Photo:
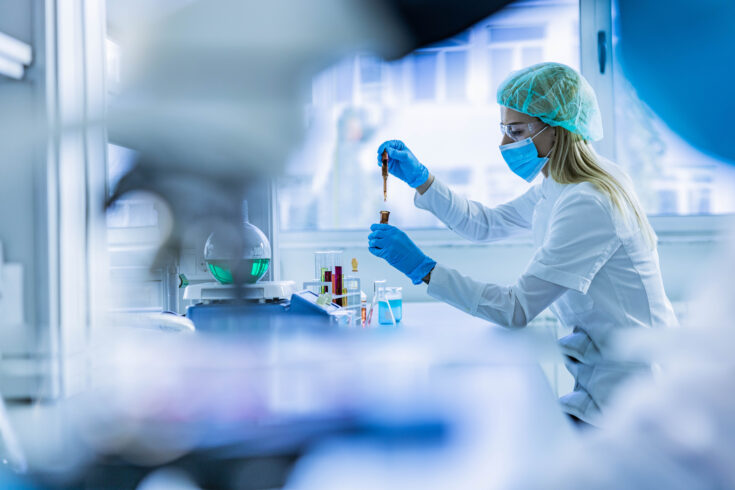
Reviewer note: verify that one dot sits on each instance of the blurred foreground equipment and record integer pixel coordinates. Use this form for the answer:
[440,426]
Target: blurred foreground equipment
[213,92]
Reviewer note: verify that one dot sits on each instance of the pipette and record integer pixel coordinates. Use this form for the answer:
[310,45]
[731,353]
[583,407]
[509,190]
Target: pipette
[384,159]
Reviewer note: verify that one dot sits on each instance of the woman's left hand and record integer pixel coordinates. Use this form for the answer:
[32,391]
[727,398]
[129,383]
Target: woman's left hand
[393,245]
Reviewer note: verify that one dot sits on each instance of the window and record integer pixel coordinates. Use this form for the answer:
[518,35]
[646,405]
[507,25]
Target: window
[505,34]
[425,76]
[440,100]
[456,74]
[133,227]
[112,55]
[130,211]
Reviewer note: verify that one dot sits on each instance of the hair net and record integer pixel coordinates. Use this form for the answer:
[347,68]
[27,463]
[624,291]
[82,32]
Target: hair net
[556,94]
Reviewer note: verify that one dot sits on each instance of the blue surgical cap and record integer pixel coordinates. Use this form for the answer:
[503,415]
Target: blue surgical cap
[556,94]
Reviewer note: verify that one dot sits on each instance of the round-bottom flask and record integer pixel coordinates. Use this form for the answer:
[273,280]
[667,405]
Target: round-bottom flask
[238,256]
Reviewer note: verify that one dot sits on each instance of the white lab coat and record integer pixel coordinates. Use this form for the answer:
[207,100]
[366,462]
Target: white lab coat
[592,267]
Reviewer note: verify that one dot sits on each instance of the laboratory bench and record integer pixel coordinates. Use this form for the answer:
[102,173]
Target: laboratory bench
[443,395]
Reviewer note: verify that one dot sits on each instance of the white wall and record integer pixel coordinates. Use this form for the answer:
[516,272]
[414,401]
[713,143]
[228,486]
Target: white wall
[17,168]
[499,263]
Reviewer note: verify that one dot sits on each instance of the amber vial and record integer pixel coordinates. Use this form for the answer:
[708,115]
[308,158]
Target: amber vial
[384,217]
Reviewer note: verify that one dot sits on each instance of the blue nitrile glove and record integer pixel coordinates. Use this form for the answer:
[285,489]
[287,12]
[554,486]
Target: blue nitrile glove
[403,164]
[393,245]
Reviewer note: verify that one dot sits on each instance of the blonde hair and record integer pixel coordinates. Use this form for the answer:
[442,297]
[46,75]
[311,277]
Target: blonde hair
[573,160]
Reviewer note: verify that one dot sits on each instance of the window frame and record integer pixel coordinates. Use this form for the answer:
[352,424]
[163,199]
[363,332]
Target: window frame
[669,229]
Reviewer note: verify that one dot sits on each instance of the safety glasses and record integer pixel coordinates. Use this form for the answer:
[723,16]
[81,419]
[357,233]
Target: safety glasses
[520,131]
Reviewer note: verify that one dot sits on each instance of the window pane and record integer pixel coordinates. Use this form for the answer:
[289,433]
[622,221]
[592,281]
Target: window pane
[126,212]
[424,76]
[370,68]
[456,68]
[506,34]
[112,55]
[134,226]
[501,64]
[344,81]
[440,101]
[119,161]
[532,55]
[371,79]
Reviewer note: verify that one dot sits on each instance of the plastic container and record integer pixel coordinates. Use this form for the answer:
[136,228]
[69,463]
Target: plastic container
[390,305]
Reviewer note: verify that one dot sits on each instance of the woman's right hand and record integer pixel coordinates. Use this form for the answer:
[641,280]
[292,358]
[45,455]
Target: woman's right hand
[403,164]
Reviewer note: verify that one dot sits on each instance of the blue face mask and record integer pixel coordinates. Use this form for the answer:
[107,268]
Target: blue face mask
[522,158]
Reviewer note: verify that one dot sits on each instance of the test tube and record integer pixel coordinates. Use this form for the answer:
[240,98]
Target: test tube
[327,261]
[337,285]
[384,217]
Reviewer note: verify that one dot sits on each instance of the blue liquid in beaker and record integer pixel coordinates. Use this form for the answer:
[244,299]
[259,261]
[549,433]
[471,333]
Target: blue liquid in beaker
[384,315]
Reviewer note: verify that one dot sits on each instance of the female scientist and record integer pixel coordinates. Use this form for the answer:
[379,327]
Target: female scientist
[595,264]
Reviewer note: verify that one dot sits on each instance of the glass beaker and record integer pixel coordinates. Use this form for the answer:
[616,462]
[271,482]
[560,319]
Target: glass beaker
[378,284]
[390,305]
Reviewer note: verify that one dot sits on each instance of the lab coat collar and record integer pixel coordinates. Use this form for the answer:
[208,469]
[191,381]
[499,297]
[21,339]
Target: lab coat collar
[550,189]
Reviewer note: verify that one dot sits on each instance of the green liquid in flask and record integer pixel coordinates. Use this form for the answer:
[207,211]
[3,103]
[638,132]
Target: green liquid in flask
[255,269]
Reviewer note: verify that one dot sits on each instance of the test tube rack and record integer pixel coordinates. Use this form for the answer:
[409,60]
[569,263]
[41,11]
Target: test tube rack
[327,286]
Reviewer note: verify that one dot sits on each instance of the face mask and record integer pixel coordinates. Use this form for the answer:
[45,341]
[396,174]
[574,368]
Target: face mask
[522,158]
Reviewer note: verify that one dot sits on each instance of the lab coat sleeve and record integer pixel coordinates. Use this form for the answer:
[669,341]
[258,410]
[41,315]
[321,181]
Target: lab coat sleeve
[509,306]
[475,221]
[581,238]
